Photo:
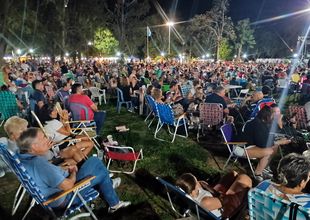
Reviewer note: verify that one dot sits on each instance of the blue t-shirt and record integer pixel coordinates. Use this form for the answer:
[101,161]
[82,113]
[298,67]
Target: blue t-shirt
[46,175]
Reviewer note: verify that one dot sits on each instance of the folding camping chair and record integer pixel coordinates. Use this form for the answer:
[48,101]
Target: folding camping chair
[152,107]
[181,196]
[166,116]
[86,127]
[98,93]
[210,114]
[261,104]
[301,116]
[55,147]
[266,206]
[242,95]
[121,101]
[124,154]
[31,187]
[227,131]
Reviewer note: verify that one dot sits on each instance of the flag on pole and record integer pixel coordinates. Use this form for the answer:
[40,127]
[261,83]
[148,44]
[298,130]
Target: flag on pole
[148,31]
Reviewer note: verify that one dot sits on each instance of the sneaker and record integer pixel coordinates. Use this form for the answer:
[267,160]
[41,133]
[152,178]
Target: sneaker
[259,178]
[121,204]
[2,172]
[116,182]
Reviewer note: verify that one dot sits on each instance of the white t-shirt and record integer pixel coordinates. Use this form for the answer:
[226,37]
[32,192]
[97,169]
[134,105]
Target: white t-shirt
[51,128]
[204,193]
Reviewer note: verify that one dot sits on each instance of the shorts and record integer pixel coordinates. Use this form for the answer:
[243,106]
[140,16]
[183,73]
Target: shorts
[239,151]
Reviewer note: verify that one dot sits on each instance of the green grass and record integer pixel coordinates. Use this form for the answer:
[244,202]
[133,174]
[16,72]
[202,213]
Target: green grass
[160,159]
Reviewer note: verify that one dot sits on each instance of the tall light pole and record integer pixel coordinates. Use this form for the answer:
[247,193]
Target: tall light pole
[169,24]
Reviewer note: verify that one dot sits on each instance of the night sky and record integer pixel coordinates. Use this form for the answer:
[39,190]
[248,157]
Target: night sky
[253,9]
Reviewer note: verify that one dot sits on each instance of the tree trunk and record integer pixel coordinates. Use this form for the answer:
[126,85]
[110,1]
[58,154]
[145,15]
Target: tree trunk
[239,52]
[218,44]
[4,10]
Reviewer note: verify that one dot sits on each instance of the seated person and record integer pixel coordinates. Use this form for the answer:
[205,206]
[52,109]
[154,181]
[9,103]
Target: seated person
[13,127]
[33,144]
[260,144]
[127,90]
[228,194]
[250,104]
[10,106]
[59,131]
[175,96]
[218,97]
[293,175]
[93,112]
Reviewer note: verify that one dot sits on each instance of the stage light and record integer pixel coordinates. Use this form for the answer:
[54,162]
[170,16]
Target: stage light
[19,51]
[162,54]
[31,50]
[66,54]
[295,55]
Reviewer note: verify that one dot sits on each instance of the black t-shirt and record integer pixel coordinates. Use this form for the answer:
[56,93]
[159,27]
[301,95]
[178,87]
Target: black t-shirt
[215,98]
[256,132]
[126,92]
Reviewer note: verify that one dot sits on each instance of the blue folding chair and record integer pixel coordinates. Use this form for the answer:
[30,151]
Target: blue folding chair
[181,196]
[121,101]
[266,206]
[31,187]
[152,107]
[166,116]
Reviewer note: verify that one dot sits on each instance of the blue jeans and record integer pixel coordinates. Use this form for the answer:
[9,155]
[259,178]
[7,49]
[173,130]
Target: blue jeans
[102,183]
[99,118]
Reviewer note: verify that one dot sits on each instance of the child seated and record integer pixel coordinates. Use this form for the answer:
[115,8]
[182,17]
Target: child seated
[224,199]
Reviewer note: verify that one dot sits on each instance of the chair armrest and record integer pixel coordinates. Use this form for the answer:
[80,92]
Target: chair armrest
[82,121]
[181,116]
[237,143]
[69,140]
[76,186]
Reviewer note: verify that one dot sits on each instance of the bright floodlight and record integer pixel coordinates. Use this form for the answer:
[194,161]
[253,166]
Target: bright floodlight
[118,53]
[170,23]
[235,56]
[295,55]
[89,43]
[203,56]
[162,54]
[31,50]
[245,55]
[66,54]
[207,55]
[19,51]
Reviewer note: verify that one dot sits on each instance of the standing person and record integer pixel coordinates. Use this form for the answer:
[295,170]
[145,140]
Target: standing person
[77,96]
[33,144]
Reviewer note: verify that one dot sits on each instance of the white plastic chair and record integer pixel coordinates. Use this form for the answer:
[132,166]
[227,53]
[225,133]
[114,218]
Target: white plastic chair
[98,93]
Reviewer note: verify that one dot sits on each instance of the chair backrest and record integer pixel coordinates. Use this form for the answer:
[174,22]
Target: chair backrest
[77,110]
[20,171]
[185,89]
[243,92]
[266,206]
[94,91]
[181,196]
[120,97]
[261,104]
[39,123]
[151,102]
[211,113]
[301,116]
[165,113]
[227,132]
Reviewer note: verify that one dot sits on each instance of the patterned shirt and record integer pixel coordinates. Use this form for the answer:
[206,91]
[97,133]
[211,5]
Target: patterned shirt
[8,105]
[302,199]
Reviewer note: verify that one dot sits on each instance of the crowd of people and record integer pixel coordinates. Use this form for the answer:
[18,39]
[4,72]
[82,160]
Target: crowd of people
[35,86]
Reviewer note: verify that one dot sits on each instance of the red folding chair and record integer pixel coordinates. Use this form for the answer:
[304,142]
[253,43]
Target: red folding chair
[122,153]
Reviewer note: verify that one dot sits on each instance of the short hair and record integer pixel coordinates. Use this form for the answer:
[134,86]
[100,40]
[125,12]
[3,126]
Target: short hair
[219,89]
[293,169]
[75,87]
[13,124]
[265,114]
[266,90]
[156,93]
[26,139]
[186,182]
[173,83]
[35,83]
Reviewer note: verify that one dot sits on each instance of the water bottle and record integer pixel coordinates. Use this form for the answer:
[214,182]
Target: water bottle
[100,155]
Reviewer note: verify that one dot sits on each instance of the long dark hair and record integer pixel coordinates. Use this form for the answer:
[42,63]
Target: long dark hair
[265,114]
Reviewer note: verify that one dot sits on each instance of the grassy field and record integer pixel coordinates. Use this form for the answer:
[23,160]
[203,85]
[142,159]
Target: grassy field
[160,159]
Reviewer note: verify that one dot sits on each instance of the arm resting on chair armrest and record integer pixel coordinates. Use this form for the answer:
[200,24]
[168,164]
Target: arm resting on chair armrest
[237,143]
[74,188]
[81,121]
[181,116]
